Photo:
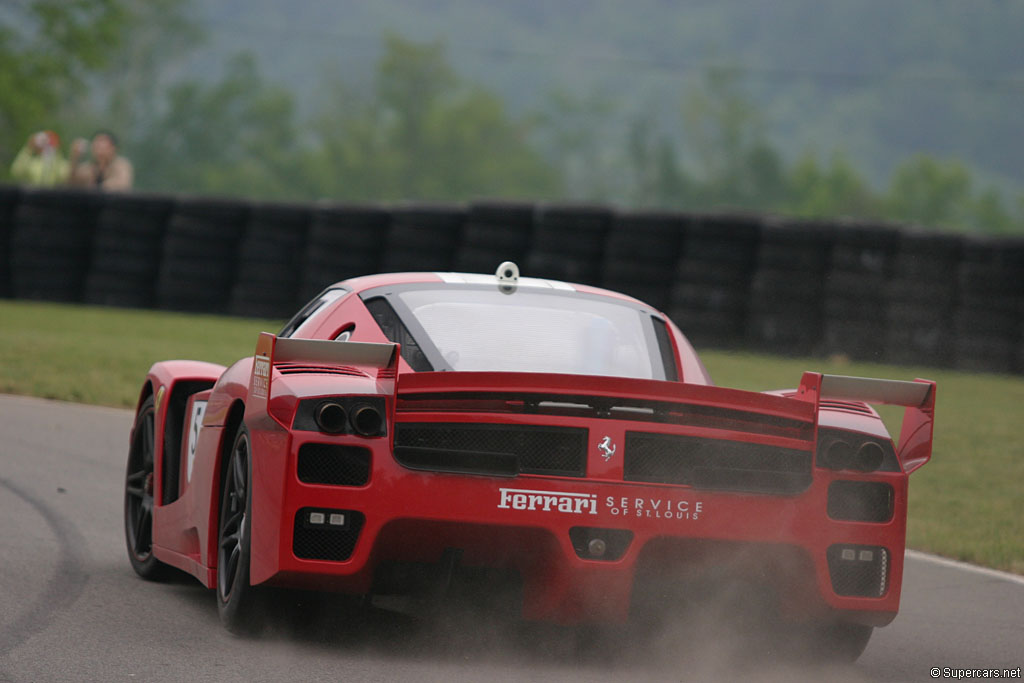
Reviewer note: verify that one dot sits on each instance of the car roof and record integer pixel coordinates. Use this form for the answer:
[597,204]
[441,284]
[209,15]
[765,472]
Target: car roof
[692,368]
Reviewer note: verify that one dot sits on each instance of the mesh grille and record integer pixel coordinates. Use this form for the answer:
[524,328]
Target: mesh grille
[326,542]
[321,463]
[536,450]
[860,501]
[715,464]
[858,570]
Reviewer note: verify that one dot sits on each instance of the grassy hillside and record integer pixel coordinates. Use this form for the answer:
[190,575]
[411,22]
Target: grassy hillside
[878,79]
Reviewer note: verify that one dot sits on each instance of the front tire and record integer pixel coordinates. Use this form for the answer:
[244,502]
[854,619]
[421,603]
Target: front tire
[239,604]
[138,496]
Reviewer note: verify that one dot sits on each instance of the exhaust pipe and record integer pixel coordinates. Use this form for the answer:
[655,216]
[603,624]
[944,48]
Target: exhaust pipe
[330,417]
[367,420]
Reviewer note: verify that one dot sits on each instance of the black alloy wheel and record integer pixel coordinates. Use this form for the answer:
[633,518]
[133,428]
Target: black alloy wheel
[239,604]
[138,496]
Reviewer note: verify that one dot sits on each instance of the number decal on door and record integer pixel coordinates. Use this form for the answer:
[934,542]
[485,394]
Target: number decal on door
[194,425]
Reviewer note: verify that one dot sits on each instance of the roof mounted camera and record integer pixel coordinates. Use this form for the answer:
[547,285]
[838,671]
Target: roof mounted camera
[508,277]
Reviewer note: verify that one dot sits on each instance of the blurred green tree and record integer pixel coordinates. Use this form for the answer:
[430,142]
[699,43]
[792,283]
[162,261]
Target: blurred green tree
[576,134]
[738,168]
[835,190]
[658,177]
[48,48]
[234,137]
[421,133]
[930,192]
[988,213]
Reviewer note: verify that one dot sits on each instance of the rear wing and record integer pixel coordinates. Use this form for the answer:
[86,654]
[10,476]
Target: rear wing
[364,354]
[712,412]
[271,351]
[918,397]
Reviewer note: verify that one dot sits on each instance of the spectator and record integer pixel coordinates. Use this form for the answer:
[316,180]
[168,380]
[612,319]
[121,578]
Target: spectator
[40,162]
[107,170]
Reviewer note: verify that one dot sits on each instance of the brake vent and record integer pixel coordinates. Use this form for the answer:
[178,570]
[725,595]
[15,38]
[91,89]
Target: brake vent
[847,406]
[298,368]
[858,407]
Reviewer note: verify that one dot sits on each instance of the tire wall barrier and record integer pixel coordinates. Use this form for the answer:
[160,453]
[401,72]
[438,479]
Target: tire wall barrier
[885,293]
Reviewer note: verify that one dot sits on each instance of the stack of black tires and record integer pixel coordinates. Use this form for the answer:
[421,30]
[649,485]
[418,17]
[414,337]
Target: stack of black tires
[270,261]
[423,238]
[345,240]
[126,251]
[200,254]
[494,232]
[990,305]
[786,298]
[920,297]
[51,244]
[788,286]
[568,243]
[855,290]
[9,198]
[640,255]
[711,294]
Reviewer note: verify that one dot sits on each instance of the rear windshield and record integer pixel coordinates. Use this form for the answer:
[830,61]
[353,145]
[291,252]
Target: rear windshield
[530,330]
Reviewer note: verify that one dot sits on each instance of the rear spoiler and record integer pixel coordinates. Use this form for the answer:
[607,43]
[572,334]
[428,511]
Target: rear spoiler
[271,351]
[715,412]
[918,397]
[364,354]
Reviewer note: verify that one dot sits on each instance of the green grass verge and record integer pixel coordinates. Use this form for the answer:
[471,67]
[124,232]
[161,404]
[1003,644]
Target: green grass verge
[966,503]
[101,355]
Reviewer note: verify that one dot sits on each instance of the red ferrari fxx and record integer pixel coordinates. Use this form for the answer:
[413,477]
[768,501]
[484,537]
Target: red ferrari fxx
[415,425]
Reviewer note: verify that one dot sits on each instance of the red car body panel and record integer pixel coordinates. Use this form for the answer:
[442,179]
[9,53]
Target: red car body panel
[524,521]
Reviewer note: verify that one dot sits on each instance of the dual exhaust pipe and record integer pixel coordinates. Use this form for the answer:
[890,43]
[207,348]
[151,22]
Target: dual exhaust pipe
[840,455]
[364,420]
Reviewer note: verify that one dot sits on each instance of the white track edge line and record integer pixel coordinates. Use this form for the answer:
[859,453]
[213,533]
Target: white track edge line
[964,566]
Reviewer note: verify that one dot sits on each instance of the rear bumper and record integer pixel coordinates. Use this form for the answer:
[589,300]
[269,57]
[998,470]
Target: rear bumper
[524,524]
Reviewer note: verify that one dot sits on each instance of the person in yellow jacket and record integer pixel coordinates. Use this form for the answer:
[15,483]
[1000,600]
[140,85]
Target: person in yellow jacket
[40,162]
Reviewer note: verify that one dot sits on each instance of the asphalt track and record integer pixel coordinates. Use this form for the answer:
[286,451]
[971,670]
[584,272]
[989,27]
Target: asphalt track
[71,609]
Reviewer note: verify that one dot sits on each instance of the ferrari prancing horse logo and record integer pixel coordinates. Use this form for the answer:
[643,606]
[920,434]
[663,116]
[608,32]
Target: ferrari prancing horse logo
[607,448]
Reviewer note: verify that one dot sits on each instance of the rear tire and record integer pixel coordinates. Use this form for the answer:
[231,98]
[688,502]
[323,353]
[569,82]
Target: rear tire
[138,496]
[241,606]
